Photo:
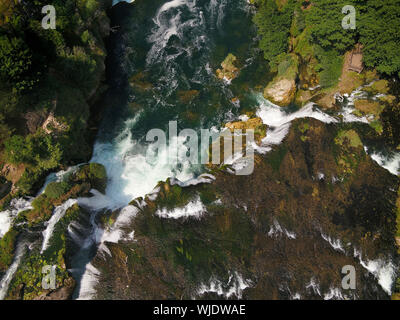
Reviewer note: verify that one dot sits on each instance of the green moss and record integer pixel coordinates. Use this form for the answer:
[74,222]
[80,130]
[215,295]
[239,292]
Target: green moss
[7,246]
[377,125]
[288,66]
[207,195]
[303,45]
[56,189]
[304,127]
[92,173]
[380,86]
[29,274]
[42,210]
[57,244]
[348,136]
[275,158]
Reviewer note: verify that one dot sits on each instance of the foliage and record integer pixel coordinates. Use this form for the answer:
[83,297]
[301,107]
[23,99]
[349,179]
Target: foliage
[325,21]
[379,33]
[16,63]
[38,150]
[377,26]
[273,27]
[93,173]
[7,246]
[48,70]
[329,67]
[55,189]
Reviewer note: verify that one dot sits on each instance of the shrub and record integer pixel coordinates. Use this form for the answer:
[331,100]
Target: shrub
[7,246]
[55,190]
[273,27]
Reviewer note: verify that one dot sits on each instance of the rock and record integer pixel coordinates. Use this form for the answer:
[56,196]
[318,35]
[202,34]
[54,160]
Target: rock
[63,293]
[5,187]
[265,227]
[369,107]
[281,92]
[229,71]
[256,124]
[380,86]
[92,173]
[51,124]
[34,120]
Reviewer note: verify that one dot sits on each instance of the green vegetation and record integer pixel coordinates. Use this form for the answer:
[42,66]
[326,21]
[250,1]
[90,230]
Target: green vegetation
[93,173]
[47,78]
[56,189]
[77,184]
[273,25]
[377,30]
[7,247]
[30,274]
[349,151]
[350,136]
[314,29]
[276,157]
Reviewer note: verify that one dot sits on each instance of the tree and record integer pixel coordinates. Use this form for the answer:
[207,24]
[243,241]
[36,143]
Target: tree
[15,61]
[325,21]
[379,26]
[273,27]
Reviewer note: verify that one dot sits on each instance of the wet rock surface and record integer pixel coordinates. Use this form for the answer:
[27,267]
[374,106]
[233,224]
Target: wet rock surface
[288,230]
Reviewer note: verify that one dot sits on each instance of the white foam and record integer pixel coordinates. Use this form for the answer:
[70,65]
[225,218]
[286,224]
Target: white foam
[333,294]
[58,213]
[133,171]
[335,243]
[88,283]
[275,116]
[277,230]
[235,286]
[314,285]
[115,233]
[279,121]
[296,296]
[392,164]
[384,271]
[194,209]
[118,1]
[7,217]
[6,280]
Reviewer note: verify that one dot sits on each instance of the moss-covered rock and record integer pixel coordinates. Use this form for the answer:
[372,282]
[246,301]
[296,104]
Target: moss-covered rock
[7,247]
[255,124]
[266,228]
[27,282]
[379,86]
[229,69]
[77,184]
[282,89]
[92,173]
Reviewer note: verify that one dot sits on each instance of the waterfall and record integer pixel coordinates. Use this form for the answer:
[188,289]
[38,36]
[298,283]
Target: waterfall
[7,217]
[6,280]
[58,213]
